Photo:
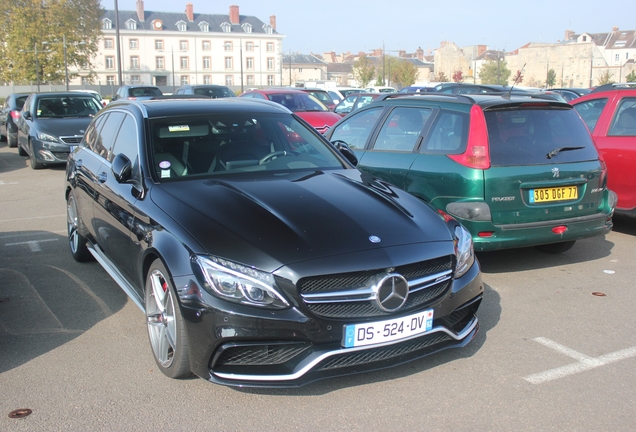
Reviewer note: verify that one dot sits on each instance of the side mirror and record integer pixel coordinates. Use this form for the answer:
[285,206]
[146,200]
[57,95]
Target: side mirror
[121,168]
[346,151]
[27,115]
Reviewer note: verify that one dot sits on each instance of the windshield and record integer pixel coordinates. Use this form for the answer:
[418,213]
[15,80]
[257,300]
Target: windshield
[67,106]
[214,92]
[322,97]
[297,102]
[219,144]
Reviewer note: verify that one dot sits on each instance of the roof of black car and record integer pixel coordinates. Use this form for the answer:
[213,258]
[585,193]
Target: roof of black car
[193,106]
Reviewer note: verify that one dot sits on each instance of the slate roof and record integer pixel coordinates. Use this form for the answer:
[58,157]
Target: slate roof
[303,59]
[170,20]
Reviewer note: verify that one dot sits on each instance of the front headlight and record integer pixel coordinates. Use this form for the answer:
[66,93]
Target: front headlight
[463,251]
[240,284]
[46,137]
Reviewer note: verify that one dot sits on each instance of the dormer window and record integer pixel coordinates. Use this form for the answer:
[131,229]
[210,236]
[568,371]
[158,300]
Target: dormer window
[247,28]
[131,24]
[226,27]
[268,29]
[182,26]
[107,24]
[204,26]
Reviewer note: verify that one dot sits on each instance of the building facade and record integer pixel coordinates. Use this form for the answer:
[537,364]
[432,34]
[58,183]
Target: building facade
[172,49]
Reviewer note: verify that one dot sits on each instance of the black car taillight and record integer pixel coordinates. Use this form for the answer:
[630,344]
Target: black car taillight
[477,154]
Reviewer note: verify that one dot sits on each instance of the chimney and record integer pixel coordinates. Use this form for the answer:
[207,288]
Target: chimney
[190,12]
[140,10]
[234,15]
[569,35]
[272,21]
[615,29]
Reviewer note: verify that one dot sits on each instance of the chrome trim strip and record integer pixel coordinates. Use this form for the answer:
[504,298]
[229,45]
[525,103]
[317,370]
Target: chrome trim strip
[96,251]
[467,330]
[371,293]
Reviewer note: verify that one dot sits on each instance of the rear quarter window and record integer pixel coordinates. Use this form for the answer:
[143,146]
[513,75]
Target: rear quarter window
[590,111]
[526,136]
[624,121]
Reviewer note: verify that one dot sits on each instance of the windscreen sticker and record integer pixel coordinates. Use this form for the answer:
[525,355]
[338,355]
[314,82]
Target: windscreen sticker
[182,128]
[164,165]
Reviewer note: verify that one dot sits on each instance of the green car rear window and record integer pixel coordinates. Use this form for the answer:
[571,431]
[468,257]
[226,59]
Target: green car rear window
[538,135]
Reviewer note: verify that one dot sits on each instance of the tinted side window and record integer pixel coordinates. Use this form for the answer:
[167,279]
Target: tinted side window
[624,121]
[92,133]
[402,129]
[590,111]
[126,141]
[356,130]
[448,134]
[528,136]
[104,144]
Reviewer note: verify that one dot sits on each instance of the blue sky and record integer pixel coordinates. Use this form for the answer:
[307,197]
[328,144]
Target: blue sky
[355,25]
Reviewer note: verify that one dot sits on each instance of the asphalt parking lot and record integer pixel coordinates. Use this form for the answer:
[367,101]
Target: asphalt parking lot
[556,348]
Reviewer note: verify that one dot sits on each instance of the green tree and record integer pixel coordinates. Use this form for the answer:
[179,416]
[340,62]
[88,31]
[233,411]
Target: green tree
[605,78]
[363,71]
[631,77]
[494,72]
[403,72]
[42,25]
[550,79]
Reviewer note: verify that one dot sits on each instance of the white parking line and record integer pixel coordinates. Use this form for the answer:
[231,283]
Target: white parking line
[34,245]
[584,362]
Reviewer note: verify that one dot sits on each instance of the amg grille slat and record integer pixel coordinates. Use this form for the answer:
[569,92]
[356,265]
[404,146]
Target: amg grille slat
[259,354]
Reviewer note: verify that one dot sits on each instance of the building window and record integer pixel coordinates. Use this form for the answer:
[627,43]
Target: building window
[107,24]
[206,45]
[182,26]
[268,29]
[207,79]
[207,62]
[300,69]
[249,46]
[131,24]
[134,79]
[228,63]
[226,27]
[270,46]
[159,44]
[134,62]
[249,63]
[110,62]
[110,80]
[204,26]
[228,46]
[85,80]
[270,63]
[270,80]
[185,79]
[184,63]
[160,63]
[617,57]
[250,80]
[108,43]
[247,28]
[183,45]
[228,80]
[133,44]
[584,38]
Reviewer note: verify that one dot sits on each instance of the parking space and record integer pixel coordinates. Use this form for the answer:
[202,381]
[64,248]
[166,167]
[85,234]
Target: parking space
[555,351]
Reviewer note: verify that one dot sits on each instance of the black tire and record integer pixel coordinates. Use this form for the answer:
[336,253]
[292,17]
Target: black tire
[11,142]
[76,241]
[34,163]
[166,329]
[556,248]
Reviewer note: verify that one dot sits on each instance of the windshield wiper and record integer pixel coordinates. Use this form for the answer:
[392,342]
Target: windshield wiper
[556,151]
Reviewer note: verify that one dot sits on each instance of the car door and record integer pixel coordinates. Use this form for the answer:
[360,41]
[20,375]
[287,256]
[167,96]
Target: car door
[356,129]
[394,148]
[115,207]
[24,124]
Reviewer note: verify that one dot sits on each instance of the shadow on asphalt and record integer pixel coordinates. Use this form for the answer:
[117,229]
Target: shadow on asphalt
[46,297]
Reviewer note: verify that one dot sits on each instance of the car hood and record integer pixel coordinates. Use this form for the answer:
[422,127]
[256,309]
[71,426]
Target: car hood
[279,219]
[63,126]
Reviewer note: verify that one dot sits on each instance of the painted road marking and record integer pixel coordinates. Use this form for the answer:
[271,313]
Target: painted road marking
[34,245]
[584,362]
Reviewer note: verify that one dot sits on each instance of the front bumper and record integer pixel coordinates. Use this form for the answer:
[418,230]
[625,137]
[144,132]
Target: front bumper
[50,152]
[244,347]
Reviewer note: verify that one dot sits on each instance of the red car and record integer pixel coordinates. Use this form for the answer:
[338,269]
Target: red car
[610,115]
[322,95]
[300,103]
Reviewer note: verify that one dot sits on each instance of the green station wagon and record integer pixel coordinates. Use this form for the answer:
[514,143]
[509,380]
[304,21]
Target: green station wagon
[516,171]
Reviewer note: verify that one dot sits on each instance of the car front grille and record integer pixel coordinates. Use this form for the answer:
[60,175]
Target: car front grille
[75,139]
[344,296]
[262,354]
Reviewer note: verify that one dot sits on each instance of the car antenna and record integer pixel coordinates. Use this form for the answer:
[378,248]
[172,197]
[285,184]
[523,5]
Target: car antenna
[515,83]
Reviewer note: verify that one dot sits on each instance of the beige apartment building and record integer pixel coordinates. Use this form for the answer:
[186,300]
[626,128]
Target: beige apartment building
[169,49]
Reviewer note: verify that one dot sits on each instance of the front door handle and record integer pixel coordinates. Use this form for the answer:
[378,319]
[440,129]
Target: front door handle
[102,177]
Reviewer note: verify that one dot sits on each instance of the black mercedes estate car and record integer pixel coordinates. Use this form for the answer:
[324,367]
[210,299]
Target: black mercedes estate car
[259,254]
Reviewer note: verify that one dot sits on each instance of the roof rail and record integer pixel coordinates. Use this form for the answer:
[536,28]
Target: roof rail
[427,95]
[615,86]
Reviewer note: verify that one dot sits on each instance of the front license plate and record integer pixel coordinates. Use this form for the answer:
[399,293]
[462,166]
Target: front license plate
[389,330]
[564,193]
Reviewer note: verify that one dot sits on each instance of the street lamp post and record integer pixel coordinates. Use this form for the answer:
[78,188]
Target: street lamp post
[241,60]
